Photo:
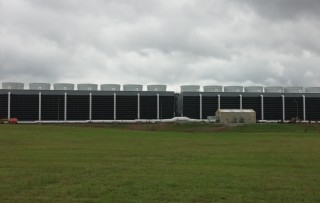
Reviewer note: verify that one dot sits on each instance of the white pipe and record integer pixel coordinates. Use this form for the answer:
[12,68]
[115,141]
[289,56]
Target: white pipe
[114,106]
[218,101]
[90,106]
[283,108]
[138,106]
[39,106]
[200,106]
[158,107]
[9,105]
[304,107]
[240,101]
[65,106]
[262,108]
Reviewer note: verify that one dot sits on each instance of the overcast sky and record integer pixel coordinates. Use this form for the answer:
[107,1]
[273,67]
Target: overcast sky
[204,42]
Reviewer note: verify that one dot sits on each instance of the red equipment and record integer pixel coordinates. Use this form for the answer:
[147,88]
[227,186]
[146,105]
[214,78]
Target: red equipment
[12,120]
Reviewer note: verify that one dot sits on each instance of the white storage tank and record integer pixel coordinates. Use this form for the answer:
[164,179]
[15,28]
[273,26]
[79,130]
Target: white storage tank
[233,88]
[274,89]
[87,87]
[63,86]
[312,89]
[132,87]
[190,88]
[13,85]
[110,87]
[157,88]
[253,89]
[212,88]
[293,89]
[39,86]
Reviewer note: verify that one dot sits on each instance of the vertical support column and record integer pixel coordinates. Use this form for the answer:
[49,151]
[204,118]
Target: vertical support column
[114,106]
[283,108]
[262,108]
[304,107]
[65,106]
[9,105]
[158,106]
[200,106]
[218,101]
[39,106]
[138,107]
[240,101]
[90,106]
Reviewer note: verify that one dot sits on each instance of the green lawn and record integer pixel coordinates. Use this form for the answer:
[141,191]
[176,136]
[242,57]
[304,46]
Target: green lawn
[170,163]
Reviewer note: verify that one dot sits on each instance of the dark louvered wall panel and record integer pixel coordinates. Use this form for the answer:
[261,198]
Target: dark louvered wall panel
[191,107]
[77,107]
[209,106]
[252,103]
[25,107]
[272,108]
[102,107]
[127,107]
[293,107]
[52,107]
[313,109]
[166,107]
[148,107]
[3,106]
[230,102]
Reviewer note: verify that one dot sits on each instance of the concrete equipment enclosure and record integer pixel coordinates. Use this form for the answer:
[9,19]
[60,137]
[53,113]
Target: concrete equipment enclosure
[227,116]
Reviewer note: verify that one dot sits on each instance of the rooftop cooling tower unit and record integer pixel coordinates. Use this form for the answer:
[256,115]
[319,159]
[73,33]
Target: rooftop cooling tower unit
[253,89]
[190,88]
[12,85]
[312,89]
[133,87]
[157,88]
[293,89]
[233,89]
[87,87]
[63,86]
[213,88]
[110,87]
[39,86]
[274,89]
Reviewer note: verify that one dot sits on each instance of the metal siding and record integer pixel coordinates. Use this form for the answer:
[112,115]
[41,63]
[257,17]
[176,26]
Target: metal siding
[252,103]
[102,107]
[166,107]
[230,102]
[127,107]
[313,109]
[3,106]
[25,107]
[273,108]
[52,107]
[291,107]
[209,106]
[191,107]
[77,107]
[148,107]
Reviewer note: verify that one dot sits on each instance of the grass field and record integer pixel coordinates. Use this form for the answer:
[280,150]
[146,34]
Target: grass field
[160,163]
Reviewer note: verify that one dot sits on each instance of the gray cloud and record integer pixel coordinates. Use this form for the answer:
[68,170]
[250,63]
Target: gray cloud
[284,9]
[180,42]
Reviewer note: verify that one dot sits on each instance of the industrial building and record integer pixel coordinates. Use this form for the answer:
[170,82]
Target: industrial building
[88,103]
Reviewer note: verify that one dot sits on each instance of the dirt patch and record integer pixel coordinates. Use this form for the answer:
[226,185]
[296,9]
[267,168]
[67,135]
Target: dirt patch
[176,127]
